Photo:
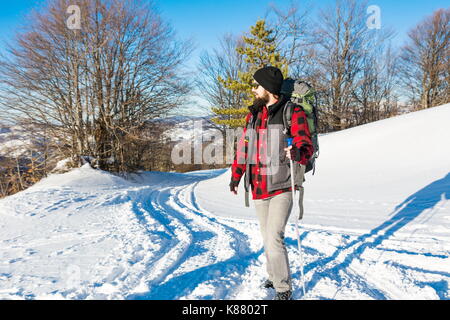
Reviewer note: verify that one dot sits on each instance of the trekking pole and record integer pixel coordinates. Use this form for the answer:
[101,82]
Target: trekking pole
[294,198]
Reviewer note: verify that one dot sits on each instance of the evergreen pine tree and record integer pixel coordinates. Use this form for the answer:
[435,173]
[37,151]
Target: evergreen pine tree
[259,50]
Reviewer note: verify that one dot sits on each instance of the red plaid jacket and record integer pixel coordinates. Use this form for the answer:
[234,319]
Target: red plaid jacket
[302,142]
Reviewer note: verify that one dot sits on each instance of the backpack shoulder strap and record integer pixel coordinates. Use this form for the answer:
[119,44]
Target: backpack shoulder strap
[288,110]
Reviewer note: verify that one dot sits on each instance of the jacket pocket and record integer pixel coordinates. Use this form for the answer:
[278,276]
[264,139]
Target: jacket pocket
[280,175]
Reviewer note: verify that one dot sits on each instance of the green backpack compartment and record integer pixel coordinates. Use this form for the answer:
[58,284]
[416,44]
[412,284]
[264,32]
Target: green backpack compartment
[302,94]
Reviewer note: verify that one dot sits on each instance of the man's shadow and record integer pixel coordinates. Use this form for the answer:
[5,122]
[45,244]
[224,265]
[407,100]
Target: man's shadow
[413,206]
[404,213]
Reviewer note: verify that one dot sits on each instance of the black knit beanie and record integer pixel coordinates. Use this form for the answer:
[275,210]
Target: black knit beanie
[270,78]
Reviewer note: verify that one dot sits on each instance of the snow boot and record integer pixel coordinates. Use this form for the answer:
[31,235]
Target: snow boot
[286,295]
[268,284]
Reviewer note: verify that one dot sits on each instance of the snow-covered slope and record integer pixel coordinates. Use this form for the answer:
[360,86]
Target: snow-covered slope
[88,234]
[191,129]
[376,226]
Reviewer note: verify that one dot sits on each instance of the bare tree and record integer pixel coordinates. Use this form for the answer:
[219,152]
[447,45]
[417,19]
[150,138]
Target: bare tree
[26,156]
[425,61]
[94,87]
[223,62]
[345,48]
[375,93]
[293,37]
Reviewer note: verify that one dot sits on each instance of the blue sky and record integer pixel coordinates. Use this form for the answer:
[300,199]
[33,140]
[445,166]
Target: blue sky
[206,21]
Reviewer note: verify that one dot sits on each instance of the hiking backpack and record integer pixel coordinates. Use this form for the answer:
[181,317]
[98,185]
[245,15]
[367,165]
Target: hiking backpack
[302,94]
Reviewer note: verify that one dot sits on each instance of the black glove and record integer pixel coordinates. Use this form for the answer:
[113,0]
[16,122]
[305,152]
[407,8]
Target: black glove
[295,153]
[234,186]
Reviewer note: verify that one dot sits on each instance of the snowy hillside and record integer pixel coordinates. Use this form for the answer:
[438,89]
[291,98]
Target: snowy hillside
[14,140]
[189,129]
[377,222]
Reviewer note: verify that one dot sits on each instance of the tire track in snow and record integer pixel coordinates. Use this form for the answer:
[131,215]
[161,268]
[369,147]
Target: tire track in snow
[203,257]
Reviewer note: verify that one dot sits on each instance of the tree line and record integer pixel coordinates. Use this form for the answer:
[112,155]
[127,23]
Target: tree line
[359,75]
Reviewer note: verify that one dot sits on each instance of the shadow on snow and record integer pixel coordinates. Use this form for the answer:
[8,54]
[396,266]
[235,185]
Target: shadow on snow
[426,198]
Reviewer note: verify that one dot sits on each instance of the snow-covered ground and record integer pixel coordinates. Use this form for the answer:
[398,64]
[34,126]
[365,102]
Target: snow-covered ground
[376,226]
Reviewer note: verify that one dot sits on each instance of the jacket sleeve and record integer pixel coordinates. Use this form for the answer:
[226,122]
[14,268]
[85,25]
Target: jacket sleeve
[302,136]
[239,163]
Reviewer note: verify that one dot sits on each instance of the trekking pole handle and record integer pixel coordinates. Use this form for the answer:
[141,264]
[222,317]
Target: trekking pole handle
[289,141]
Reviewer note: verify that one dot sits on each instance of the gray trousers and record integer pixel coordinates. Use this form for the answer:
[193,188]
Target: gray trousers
[273,214]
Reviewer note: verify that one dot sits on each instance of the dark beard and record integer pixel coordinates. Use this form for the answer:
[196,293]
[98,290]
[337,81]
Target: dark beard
[258,103]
